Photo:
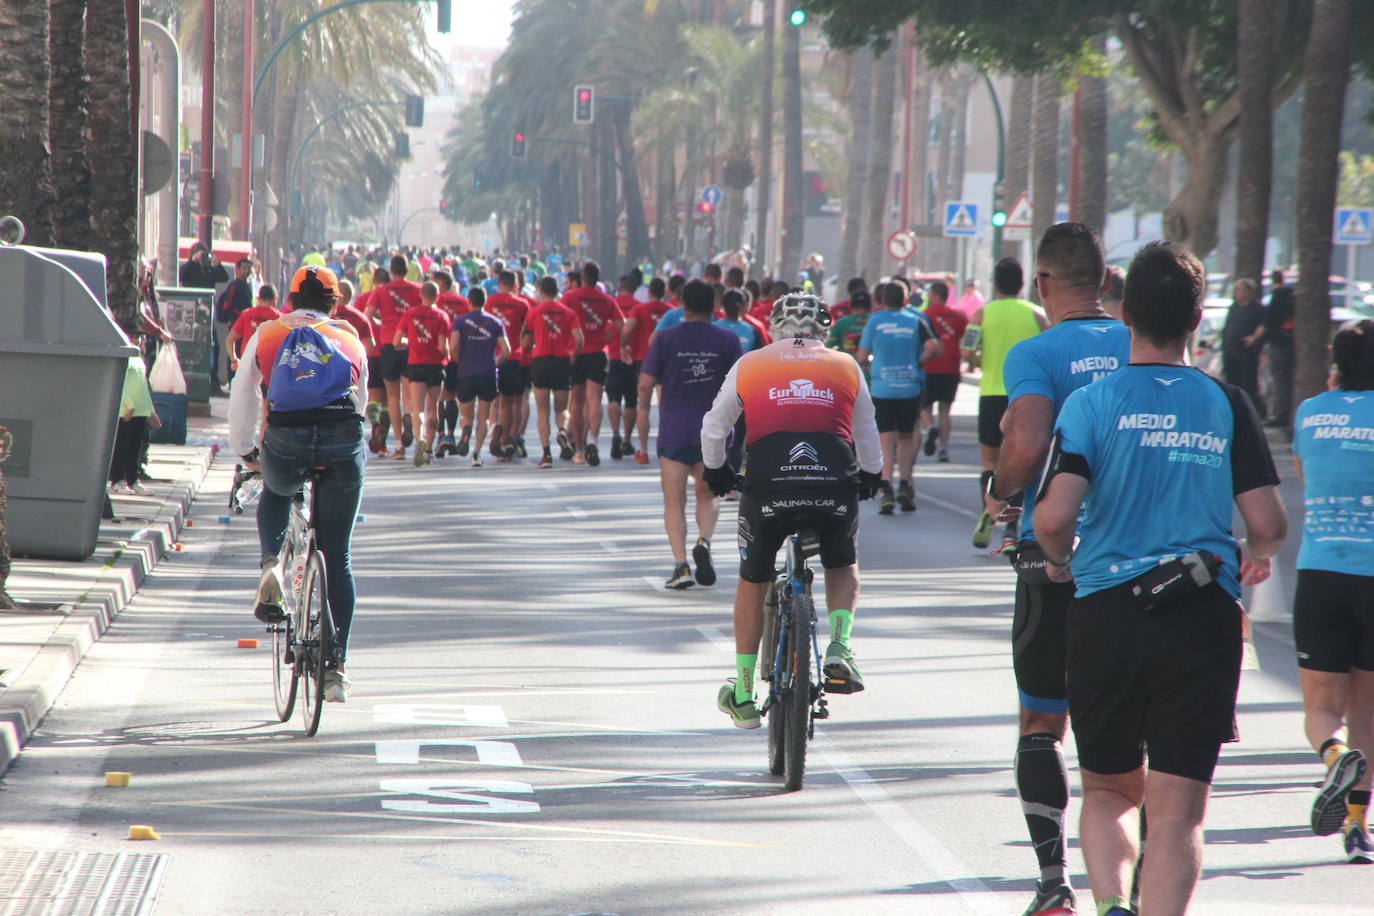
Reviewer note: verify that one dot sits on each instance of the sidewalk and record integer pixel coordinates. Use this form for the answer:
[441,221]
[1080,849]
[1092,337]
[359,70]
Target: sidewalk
[66,606]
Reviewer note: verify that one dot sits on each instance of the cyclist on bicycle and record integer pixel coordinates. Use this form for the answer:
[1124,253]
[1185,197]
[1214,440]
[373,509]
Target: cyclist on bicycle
[813,453]
[314,420]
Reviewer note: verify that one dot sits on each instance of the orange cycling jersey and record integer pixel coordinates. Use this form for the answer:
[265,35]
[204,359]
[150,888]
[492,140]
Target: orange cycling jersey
[794,388]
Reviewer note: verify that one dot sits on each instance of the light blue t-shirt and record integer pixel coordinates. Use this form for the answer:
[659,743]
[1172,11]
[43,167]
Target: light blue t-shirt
[1058,362]
[1167,449]
[491,285]
[748,337]
[671,319]
[895,339]
[1333,435]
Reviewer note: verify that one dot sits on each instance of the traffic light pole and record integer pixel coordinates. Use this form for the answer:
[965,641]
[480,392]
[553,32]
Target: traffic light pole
[1001,157]
[401,233]
[311,135]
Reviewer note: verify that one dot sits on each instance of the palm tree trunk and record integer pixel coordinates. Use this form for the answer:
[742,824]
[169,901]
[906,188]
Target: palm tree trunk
[611,203]
[1327,73]
[1019,122]
[943,153]
[26,179]
[1044,155]
[856,160]
[920,142]
[637,226]
[794,190]
[878,206]
[765,169]
[959,151]
[114,193]
[1255,57]
[666,196]
[689,191]
[1092,187]
[68,96]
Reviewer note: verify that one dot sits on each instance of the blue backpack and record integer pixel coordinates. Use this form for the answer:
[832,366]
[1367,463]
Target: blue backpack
[311,371]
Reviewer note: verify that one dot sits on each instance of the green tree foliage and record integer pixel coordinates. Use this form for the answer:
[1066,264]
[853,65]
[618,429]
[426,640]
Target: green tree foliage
[1356,187]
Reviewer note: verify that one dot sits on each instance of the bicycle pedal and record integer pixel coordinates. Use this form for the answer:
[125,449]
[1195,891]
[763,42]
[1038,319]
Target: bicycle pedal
[820,712]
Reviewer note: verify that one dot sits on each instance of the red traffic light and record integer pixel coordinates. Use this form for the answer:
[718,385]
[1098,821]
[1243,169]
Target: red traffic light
[584,95]
[519,138]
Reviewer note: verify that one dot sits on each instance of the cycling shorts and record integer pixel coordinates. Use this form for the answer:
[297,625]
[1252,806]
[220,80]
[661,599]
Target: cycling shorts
[990,410]
[1333,621]
[766,520]
[392,362]
[451,378]
[1037,644]
[589,367]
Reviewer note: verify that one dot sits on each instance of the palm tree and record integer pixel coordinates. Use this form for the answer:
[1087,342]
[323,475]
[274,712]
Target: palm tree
[68,96]
[860,96]
[794,196]
[1256,45]
[114,173]
[1019,120]
[1092,181]
[770,23]
[26,180]
[920,147]
[1044,155]
[877,206]
[1327,73]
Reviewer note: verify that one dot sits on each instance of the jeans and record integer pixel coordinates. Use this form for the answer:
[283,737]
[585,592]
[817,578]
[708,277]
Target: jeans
[288,455]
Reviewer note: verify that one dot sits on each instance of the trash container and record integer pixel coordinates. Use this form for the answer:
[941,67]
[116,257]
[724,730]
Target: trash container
[62,364]
[186,316]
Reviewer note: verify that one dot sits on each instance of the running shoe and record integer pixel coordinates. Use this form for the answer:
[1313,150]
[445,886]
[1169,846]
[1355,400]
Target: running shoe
[376,442]
[943,457]
[447,446]
[982,532]
[841,673]
[616,453]
[337,686]
[398,455]
[1053,900]
[519,443]
[565,449]
[495,447]
[701,556]
[374,412]
[421,454]
[906,496]
[545,462]
[745,715]
[1328,810]
[1357,848]
[932,435]
[267,604]
[593,454]
[463,442]
[476,460]
[407,432]
[641,457]
[1115,911]
[887,502]
[1009,542]
[681,577]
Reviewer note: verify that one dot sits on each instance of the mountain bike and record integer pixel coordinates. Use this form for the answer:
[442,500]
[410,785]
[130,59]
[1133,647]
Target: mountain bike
[796,695]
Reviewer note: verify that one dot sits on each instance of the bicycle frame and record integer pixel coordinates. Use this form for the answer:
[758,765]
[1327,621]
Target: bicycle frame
[796,579]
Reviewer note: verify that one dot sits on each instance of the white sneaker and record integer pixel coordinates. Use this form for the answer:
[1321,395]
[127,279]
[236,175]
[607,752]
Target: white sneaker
[337,686]
[119,489]
[139,489]
[270,599]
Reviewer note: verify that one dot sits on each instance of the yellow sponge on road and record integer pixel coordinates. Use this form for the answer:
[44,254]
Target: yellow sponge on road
[117,780]
[143,832]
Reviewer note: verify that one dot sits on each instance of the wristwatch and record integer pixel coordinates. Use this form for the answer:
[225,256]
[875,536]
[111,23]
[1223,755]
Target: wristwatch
[991,491]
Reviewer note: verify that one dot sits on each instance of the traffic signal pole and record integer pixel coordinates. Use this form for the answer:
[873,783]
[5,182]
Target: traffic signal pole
[1001,157]
[246,152]
[207,123]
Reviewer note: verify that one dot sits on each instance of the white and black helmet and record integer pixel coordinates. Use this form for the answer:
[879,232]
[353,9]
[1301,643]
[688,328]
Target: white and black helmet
[799,315]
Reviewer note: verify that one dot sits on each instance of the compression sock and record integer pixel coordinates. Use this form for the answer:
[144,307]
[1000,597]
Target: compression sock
[451,416]
[1356,807]
[1043,784]
[841,622]
[983,479]
[744,682]
[1105,905]
[1331,749]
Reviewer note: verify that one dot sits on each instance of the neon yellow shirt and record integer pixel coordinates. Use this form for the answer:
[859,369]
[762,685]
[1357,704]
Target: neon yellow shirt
[313,259]
[1006,322]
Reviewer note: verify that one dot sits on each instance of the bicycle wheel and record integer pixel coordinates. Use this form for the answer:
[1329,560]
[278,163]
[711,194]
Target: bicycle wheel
[796,707]
[768,652]
[316,641]
[285,672]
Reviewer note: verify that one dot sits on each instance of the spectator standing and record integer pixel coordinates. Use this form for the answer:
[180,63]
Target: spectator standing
[233,301]
[1239,342]
[202,270]
[136,414]
[1276,334]
[942,373]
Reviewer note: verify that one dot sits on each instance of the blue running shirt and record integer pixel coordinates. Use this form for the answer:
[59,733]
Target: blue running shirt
[1059,361]
[1334,438]
[895,338]
[1166,449]
[671,319]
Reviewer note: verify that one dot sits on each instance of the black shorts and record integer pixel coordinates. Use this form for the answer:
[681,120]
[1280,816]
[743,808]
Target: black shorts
[589,367]
[512,379]
[431,374]
[765,521]
[473,387]
[622,384]
[941,388]
[552,372]
[1162,681]
[1038,627]
[990,410]
[897,415]
[375,382]
[451,377]
[392,362]
[1333,621]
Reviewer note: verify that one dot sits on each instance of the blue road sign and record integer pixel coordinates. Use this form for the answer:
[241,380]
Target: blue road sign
[1354,225]
[961,220]
[711,194]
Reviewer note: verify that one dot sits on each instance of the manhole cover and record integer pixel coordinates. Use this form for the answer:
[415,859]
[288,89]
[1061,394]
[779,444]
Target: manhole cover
[78,883]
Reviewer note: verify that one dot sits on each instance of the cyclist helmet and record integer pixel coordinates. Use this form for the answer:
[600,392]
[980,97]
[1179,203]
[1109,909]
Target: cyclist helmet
[315,283]
[799,315]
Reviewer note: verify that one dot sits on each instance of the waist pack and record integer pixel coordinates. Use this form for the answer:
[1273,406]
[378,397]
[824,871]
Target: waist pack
[310,372]
[1176,579]
[1028,559]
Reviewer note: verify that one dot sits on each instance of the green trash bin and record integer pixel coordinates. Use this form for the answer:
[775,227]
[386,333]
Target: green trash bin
[186,316]
[62,364]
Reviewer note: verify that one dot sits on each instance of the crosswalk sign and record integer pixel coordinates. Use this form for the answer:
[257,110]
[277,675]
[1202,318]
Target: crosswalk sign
[961,220]
[1354,225]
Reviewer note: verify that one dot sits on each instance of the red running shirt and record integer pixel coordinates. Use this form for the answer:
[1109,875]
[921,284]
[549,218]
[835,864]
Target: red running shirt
[627,305]
[512,311]
[392,300]
[949,325]
[455,305]
[645,315]
[248,322]
[552,325]
[360,324]
[598,315]
[426,327]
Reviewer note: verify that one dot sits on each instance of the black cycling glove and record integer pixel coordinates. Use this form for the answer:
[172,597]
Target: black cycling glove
[721,480]
[869,484]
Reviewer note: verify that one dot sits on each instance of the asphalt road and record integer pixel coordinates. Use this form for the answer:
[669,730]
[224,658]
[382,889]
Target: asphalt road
[533,729]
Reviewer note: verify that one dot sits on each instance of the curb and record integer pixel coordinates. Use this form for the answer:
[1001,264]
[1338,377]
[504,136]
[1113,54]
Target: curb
[38,685]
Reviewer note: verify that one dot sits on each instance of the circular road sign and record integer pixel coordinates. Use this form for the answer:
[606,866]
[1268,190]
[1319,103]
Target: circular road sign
[901,244]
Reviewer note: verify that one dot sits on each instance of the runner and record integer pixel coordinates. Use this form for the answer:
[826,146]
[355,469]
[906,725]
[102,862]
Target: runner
[345,309]
[992,331]
[477,346]
[813,454]
[552,336]
[263,310]
[427,328]
[377,413]
[733,304]
[900,343]
[621,382]
[636,335]
[847,332]
[599,317]
[690,362]
[942,373]
[386,308]
[454,306]
[852,288]
[1333,610]
[513,375]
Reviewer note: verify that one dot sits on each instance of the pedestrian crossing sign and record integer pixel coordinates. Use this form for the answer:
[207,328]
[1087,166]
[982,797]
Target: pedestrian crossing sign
[1354,225]
[961,220]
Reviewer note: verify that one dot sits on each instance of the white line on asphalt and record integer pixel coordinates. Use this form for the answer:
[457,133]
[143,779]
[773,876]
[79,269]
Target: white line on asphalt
[717,636]
[612,547]
[946,504]
[549,486]
[578,513]
[655,584]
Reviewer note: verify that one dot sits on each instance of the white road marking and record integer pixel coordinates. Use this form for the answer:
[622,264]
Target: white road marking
[549,486]
[578,513]
[459,802]
[489,753]
[717,636]
[655,584]
[438,714]
[612,547]
[952,507]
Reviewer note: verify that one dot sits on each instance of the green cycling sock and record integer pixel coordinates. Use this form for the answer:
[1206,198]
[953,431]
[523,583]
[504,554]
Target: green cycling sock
[841,622]
[744,682]
[1104,905]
